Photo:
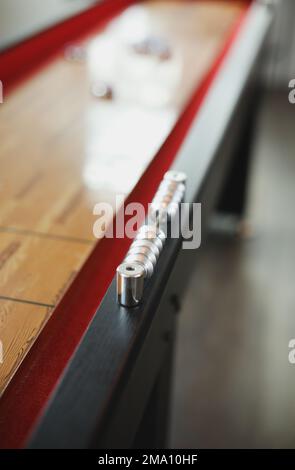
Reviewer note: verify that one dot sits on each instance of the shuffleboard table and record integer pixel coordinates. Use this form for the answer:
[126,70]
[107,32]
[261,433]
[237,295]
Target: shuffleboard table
[101,105]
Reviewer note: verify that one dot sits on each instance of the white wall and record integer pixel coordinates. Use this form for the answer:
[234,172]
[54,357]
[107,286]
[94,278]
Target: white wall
[22,18]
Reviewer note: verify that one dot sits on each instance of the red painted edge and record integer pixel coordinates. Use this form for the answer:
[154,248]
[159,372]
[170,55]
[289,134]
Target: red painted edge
[31,387]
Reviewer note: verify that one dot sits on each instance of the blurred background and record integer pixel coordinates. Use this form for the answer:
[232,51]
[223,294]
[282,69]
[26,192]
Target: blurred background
[20,19]
[233,384]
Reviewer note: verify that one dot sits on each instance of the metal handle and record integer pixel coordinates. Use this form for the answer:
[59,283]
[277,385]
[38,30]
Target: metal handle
[141,259]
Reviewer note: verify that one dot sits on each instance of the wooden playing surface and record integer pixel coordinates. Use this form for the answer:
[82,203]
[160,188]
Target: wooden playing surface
[62,150]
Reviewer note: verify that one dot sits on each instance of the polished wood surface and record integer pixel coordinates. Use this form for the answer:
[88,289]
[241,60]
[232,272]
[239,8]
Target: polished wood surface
[62,150]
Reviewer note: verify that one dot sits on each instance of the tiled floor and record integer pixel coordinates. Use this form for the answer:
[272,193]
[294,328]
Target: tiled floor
[234,386]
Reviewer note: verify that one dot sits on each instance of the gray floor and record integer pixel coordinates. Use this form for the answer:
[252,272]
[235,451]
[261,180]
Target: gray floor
[234,386]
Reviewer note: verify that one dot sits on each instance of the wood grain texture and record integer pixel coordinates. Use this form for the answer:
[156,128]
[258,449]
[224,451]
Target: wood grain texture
[20,325]
[62,150]
[38,269]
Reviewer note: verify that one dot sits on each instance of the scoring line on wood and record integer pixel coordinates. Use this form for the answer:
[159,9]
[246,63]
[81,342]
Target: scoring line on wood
[51,236]
[25,301]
